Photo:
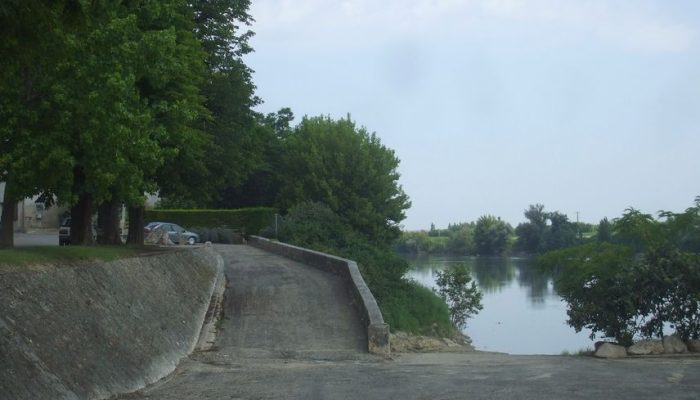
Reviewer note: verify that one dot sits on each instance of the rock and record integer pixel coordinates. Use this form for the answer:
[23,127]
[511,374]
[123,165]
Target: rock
[450,342]
[674,344]
[694,346]
[158,237]
[646,347]
[402,342]
[610,350]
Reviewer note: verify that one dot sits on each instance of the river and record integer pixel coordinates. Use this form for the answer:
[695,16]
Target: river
[522,314]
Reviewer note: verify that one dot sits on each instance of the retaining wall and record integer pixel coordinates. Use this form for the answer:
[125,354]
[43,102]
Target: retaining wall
[377,330]
[92,331]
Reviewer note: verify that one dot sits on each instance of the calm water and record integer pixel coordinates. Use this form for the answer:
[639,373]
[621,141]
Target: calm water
[522,314]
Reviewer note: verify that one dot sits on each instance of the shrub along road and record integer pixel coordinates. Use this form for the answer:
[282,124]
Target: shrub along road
[289,332]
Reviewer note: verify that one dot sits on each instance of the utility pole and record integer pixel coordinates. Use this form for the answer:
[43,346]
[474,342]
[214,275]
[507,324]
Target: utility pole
[578,228]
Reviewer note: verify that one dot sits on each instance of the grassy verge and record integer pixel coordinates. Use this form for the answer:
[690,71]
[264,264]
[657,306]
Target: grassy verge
[65,254]
[411,307]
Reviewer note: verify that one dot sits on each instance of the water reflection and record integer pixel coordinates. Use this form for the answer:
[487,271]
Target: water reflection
[492,274]
[517,298]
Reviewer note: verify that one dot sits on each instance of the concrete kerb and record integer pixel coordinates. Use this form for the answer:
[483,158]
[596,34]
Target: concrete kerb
[377,329]
[207,335]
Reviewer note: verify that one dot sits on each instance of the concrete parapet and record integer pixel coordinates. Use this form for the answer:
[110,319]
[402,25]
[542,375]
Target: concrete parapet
[377,330]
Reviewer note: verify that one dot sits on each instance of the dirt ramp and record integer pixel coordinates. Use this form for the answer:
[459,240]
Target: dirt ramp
[92,331]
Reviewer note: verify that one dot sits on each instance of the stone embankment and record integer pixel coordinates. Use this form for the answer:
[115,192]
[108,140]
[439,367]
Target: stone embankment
[93,330]
[669,345]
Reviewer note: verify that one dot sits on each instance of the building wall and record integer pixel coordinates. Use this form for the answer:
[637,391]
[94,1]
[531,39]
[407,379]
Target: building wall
[31,216]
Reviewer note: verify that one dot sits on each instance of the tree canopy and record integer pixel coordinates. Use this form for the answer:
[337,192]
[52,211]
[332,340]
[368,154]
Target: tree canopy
[347,168]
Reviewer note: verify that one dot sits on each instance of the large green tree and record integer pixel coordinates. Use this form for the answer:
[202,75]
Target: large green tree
[346,167]
[31,44]
[491,236]
[111,92]
[238,142]
[131,87]
[544,231]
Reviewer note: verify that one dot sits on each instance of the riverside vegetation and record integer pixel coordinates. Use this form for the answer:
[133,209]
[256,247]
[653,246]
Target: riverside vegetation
[542,231]
[639,278]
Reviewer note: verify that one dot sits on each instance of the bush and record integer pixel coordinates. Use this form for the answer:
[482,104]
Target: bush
[619,294]
[247,220]
[464,300]
[411,307]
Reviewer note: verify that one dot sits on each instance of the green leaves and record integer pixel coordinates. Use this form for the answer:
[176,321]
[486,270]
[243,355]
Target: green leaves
[348,169]
[491,235]
[460,293]
[649,279]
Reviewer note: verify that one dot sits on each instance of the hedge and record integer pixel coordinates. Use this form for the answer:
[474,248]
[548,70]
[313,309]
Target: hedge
[247,220]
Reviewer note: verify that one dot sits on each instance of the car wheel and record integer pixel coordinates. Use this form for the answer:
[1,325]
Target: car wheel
[190,240]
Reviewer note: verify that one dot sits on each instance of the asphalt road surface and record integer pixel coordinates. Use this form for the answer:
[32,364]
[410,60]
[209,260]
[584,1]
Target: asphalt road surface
[289,332]
[37,238]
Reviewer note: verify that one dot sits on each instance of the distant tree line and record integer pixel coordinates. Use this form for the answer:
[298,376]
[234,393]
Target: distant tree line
[490,236]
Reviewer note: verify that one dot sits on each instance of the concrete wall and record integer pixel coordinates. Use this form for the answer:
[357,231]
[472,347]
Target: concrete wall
[92,331]
[377,330]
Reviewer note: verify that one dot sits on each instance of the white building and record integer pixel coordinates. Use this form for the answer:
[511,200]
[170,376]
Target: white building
[32,214]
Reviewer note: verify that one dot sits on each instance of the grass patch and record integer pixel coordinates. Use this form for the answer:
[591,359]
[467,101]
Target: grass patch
[414,308]
[65,254]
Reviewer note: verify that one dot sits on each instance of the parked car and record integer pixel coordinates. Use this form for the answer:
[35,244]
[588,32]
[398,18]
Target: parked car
[175,231]
[64,232]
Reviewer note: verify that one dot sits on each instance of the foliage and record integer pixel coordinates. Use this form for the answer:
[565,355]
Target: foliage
[491,236]
[545,231]
[127,98]
[647,278]
[594,280]
[261,186]
[421,242]
[250,220]
[413,308]
[315,225]
[463,299]
[604,233]
[347,168]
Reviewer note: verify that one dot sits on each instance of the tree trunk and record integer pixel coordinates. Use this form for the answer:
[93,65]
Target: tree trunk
[9,213]
[108,222]
[81,221]
[137,215]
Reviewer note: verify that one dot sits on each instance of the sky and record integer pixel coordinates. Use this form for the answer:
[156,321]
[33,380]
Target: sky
[588,106]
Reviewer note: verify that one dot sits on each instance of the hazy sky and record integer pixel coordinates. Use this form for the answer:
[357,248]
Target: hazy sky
[491,105]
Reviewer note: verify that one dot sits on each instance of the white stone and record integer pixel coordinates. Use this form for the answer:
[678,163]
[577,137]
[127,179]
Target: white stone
[674,344]
[610,350]
[646,347]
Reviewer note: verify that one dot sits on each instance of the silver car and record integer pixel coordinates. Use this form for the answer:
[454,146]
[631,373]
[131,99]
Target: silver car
[175,232]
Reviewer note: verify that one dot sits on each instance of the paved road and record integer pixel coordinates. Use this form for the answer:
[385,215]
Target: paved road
[37,238]
[290,333]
